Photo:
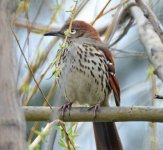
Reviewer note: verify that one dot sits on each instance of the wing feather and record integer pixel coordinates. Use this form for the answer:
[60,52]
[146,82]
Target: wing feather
[113,82]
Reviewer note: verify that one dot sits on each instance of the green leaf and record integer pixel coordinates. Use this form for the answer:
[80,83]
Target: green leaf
[63,46]
[37,132]
[57,128]
[42,135]
[56,71]
[45,133]
[66,32]
[62,143]
[71,131]
[150,71]
[62,134]
[75,135]
[25,88]
[37,147]
[53,63]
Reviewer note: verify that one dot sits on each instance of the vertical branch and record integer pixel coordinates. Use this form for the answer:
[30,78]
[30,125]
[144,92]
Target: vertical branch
[112,28]
[150,40]
[152,125]
[154,49]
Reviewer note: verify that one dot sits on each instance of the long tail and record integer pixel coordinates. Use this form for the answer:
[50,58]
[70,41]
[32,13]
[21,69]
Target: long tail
[106,136]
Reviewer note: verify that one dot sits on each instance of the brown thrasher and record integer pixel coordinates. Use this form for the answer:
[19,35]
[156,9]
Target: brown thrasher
[88,76]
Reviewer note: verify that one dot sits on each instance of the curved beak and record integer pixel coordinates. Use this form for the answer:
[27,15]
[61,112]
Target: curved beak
[55,33]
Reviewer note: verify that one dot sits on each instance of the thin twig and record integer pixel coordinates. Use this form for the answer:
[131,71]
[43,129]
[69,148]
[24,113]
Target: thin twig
[36,124]
[112,28]
[41,29]
[33,27]
[100,13]
[123,33]
[114,7]
[42,57]
[68,139]
[159,96]
[38,139]
[27,38]
[33,91]
[118,53]
[30,68]
[60,51]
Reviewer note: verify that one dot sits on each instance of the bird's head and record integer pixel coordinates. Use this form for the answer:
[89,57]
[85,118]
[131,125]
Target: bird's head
[78,29]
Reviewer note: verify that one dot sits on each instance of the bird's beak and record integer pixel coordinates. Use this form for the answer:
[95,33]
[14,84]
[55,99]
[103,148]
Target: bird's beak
[56,33]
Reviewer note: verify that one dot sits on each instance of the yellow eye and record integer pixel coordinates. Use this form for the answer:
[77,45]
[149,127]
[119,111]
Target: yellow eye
[72,31]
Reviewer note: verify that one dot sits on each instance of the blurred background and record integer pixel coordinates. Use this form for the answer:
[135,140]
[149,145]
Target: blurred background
[135,73]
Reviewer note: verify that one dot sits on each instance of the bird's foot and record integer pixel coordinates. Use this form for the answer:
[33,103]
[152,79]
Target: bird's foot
[64,107]
[96,108]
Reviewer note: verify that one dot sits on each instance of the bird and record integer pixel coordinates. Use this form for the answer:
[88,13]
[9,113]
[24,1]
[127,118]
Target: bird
[87,75]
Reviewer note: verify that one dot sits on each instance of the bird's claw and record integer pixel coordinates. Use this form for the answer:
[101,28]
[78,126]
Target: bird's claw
[96,108]
[64,107]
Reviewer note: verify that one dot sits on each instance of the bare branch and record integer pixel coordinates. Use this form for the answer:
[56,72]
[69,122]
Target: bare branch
[152,18]
[115,7]
[121,21]
[118,53]
[36,124]
[112,28]
[33,27]
[34,89]
[106,114]
[100,13]
[150,40]
[30,68]
[38,139]
[159,96]
[123,31]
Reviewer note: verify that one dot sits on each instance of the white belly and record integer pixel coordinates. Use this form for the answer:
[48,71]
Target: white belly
[80,82]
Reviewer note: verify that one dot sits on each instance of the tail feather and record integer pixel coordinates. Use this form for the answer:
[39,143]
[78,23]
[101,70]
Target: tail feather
[106,136]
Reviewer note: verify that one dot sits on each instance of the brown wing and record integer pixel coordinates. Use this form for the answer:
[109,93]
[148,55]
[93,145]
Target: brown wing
[113,82]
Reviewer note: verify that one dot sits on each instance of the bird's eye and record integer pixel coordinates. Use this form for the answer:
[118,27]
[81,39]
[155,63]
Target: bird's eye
[72,31]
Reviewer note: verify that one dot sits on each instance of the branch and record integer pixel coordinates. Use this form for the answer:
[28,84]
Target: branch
[150,40]
[106,114]
[113,27]
[43,132]
[152,18]
[33,27]
[100,13]
[21,50]
[158,96]
[42,29]
[123,31]
[118,53]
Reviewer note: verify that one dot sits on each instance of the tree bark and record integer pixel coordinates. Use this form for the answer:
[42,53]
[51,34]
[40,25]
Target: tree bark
[11,119]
